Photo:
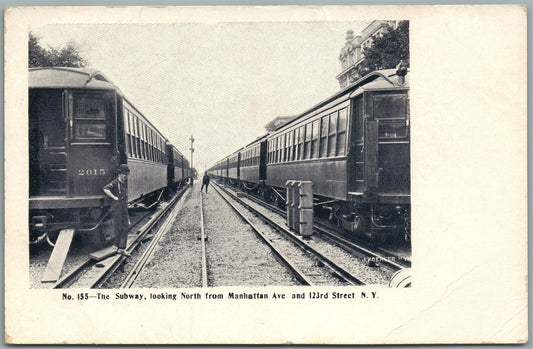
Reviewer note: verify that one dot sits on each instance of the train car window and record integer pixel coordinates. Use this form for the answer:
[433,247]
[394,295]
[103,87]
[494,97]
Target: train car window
[392,129]
[268,152]
[126,114]
[287,148]
[143,135]
[324,136]
[278,157]
[158,147]
[137,143]
[301,132]
[342,120]
[307,144]
[89,107]
[135,126]
[270,148]
[154,149]
[284,146]
[274,144]
[288,144]
[332,135]
[145,145]
[314,143]
[90,131]
[128,144]
[90,118]
[341,132]
[271,151]
[149,141]
[390,107]
[132,135]
[153,137]
[141,138]
[148,146]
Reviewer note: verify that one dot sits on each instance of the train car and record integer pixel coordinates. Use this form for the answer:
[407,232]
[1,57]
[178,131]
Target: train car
[252,168]
[215,171]
[81,127]
[355,148]
[178,169]
[144,151]
[233,166]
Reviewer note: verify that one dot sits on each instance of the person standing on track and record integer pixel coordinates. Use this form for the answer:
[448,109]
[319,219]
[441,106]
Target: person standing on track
[205,181]
[118,191]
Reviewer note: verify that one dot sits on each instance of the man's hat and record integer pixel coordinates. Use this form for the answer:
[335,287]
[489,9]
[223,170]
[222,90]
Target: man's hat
[124,169]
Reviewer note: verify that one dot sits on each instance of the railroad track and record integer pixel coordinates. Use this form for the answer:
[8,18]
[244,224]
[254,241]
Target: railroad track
[305,274]
[373,253]
[203,239]
[93,274]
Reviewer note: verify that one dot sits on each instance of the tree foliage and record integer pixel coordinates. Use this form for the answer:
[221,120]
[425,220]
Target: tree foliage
[39,56]
[387,51]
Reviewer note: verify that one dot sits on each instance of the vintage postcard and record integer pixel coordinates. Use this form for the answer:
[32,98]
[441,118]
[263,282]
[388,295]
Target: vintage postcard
[266,175]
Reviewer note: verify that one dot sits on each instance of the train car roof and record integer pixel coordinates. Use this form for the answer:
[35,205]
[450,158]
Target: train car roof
[379,79]
[258,139]
[67,77]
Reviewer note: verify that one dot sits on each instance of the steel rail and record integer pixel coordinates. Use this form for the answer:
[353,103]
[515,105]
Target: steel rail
[336,269]
[139,266]
[116,261]
[87,262]
[294,269]
[388,257]
[203,238]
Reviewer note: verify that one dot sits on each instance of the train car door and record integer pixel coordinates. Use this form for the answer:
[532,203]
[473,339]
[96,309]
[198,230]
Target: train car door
[227,167]
[357,173]
[262,161]
[371,154]
[391,134]
[238,165]
[47,146]
[92,140]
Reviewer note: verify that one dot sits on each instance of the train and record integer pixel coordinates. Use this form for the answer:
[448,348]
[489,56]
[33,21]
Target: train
[81,127]
[355,148]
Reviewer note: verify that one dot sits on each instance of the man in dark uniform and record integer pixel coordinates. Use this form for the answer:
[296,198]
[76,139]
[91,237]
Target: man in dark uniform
[205,181]
[118,191]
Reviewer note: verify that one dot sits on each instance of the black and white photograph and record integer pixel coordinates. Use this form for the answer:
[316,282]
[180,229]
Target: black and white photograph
[228,160]
[119,185]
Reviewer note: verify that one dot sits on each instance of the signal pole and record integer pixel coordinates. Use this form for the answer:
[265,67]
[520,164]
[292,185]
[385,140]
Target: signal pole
[192,151]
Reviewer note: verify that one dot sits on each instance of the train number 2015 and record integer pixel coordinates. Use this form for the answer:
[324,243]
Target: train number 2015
[92,172]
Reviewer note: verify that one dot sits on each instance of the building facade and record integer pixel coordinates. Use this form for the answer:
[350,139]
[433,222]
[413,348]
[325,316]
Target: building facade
[352,54]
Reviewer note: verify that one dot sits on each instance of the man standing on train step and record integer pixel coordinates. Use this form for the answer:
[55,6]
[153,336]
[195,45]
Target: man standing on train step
[118,191]
[205,181]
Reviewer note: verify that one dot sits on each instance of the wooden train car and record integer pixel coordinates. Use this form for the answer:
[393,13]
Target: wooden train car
[81,127]
[178,171]
[353,146]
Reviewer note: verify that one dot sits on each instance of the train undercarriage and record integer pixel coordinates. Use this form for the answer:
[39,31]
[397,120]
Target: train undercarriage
[94,222]
[376,221]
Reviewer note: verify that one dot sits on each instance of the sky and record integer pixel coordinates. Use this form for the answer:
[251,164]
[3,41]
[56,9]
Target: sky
[220,82]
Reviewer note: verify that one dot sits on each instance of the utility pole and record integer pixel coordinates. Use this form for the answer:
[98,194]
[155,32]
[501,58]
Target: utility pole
[192,151]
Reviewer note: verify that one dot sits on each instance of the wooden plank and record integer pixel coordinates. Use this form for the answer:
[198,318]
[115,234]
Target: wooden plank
[59,254]
[103,253]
